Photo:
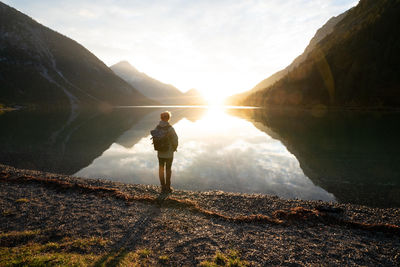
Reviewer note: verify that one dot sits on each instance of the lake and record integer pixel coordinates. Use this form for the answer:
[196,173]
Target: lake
[344,156]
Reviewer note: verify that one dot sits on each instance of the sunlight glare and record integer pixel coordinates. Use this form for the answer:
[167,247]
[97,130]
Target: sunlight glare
[214,99]
[215,116]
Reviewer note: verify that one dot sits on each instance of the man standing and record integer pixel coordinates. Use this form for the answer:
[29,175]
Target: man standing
[165,157]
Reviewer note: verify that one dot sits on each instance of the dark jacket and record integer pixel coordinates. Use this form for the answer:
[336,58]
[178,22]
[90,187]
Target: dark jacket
[173,138]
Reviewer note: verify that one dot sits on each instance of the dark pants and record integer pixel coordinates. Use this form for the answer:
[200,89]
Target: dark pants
[165,163]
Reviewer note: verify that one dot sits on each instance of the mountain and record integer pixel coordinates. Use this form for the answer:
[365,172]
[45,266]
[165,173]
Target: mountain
[148,86]
[40,67]
[356,65]
[321,33]
[194,97]
[154,89]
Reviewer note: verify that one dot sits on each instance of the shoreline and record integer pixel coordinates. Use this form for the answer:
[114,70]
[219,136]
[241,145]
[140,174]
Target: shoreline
[263,229]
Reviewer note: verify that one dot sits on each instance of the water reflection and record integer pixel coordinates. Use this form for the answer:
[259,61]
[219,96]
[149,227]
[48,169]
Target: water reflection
[217,152]
[352,154]
[47,141]
[351,157]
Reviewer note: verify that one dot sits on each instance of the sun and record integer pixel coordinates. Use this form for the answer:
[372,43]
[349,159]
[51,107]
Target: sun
[214,99]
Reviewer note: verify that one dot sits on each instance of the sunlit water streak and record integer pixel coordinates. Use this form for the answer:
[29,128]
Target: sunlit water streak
[216,152]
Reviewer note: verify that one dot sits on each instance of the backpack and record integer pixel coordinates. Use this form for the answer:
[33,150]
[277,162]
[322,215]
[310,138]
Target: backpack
[160,138]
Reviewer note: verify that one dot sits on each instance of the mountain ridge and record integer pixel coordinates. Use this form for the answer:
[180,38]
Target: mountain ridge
[356,66]
[40,67]
[153,88]
[321,33]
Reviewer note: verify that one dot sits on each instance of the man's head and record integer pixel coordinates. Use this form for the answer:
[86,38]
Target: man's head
[165,116]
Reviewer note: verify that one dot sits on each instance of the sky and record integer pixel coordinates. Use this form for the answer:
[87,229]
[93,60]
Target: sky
[220,47]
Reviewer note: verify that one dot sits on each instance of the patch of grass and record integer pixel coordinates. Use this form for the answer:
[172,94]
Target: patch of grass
[83,244]
[22,200]
[163,259]
[24,250]
[220,259]
[61,253]
[33,254]
[144,253]
[18,234]
[117,258]
[7,213]
[51,246]
[79,245]
[15,238]
[125,258]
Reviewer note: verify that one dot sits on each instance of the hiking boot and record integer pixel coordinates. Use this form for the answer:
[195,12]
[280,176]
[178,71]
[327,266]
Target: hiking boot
[163,190]
[168,190]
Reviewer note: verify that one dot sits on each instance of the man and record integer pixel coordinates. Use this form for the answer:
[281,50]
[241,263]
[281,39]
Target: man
[165,158]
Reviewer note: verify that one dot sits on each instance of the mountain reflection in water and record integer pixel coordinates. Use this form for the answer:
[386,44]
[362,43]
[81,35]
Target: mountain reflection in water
[217,151]
[352,154]
[349,157]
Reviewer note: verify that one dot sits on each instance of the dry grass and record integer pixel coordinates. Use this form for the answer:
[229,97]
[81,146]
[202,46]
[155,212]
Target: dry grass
[71,252]
[16,234]
[231,259]
[63,253]
[22,200]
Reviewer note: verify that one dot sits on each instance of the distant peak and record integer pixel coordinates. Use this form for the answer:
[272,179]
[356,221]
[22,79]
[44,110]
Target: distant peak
[124,64]
[192,91]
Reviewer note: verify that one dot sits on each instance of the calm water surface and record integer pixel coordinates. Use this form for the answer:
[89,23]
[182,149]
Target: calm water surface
[217,151]
[350,157]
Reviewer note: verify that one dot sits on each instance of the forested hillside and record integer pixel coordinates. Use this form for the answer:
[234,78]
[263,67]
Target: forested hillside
[357,65]
[322,32]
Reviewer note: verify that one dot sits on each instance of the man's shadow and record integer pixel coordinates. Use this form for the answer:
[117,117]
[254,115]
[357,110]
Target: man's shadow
[132,237]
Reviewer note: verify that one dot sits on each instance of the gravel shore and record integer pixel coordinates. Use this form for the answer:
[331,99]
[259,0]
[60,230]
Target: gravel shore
[190,227]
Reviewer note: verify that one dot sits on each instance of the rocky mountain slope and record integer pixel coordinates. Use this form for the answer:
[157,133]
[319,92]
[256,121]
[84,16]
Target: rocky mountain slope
[356,65]
[154,89]
[40,67]
[319,35]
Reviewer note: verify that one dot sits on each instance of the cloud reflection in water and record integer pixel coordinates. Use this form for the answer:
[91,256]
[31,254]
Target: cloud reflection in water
[216,152]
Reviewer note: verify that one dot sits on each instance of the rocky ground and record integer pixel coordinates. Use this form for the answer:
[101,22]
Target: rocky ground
[187,228]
